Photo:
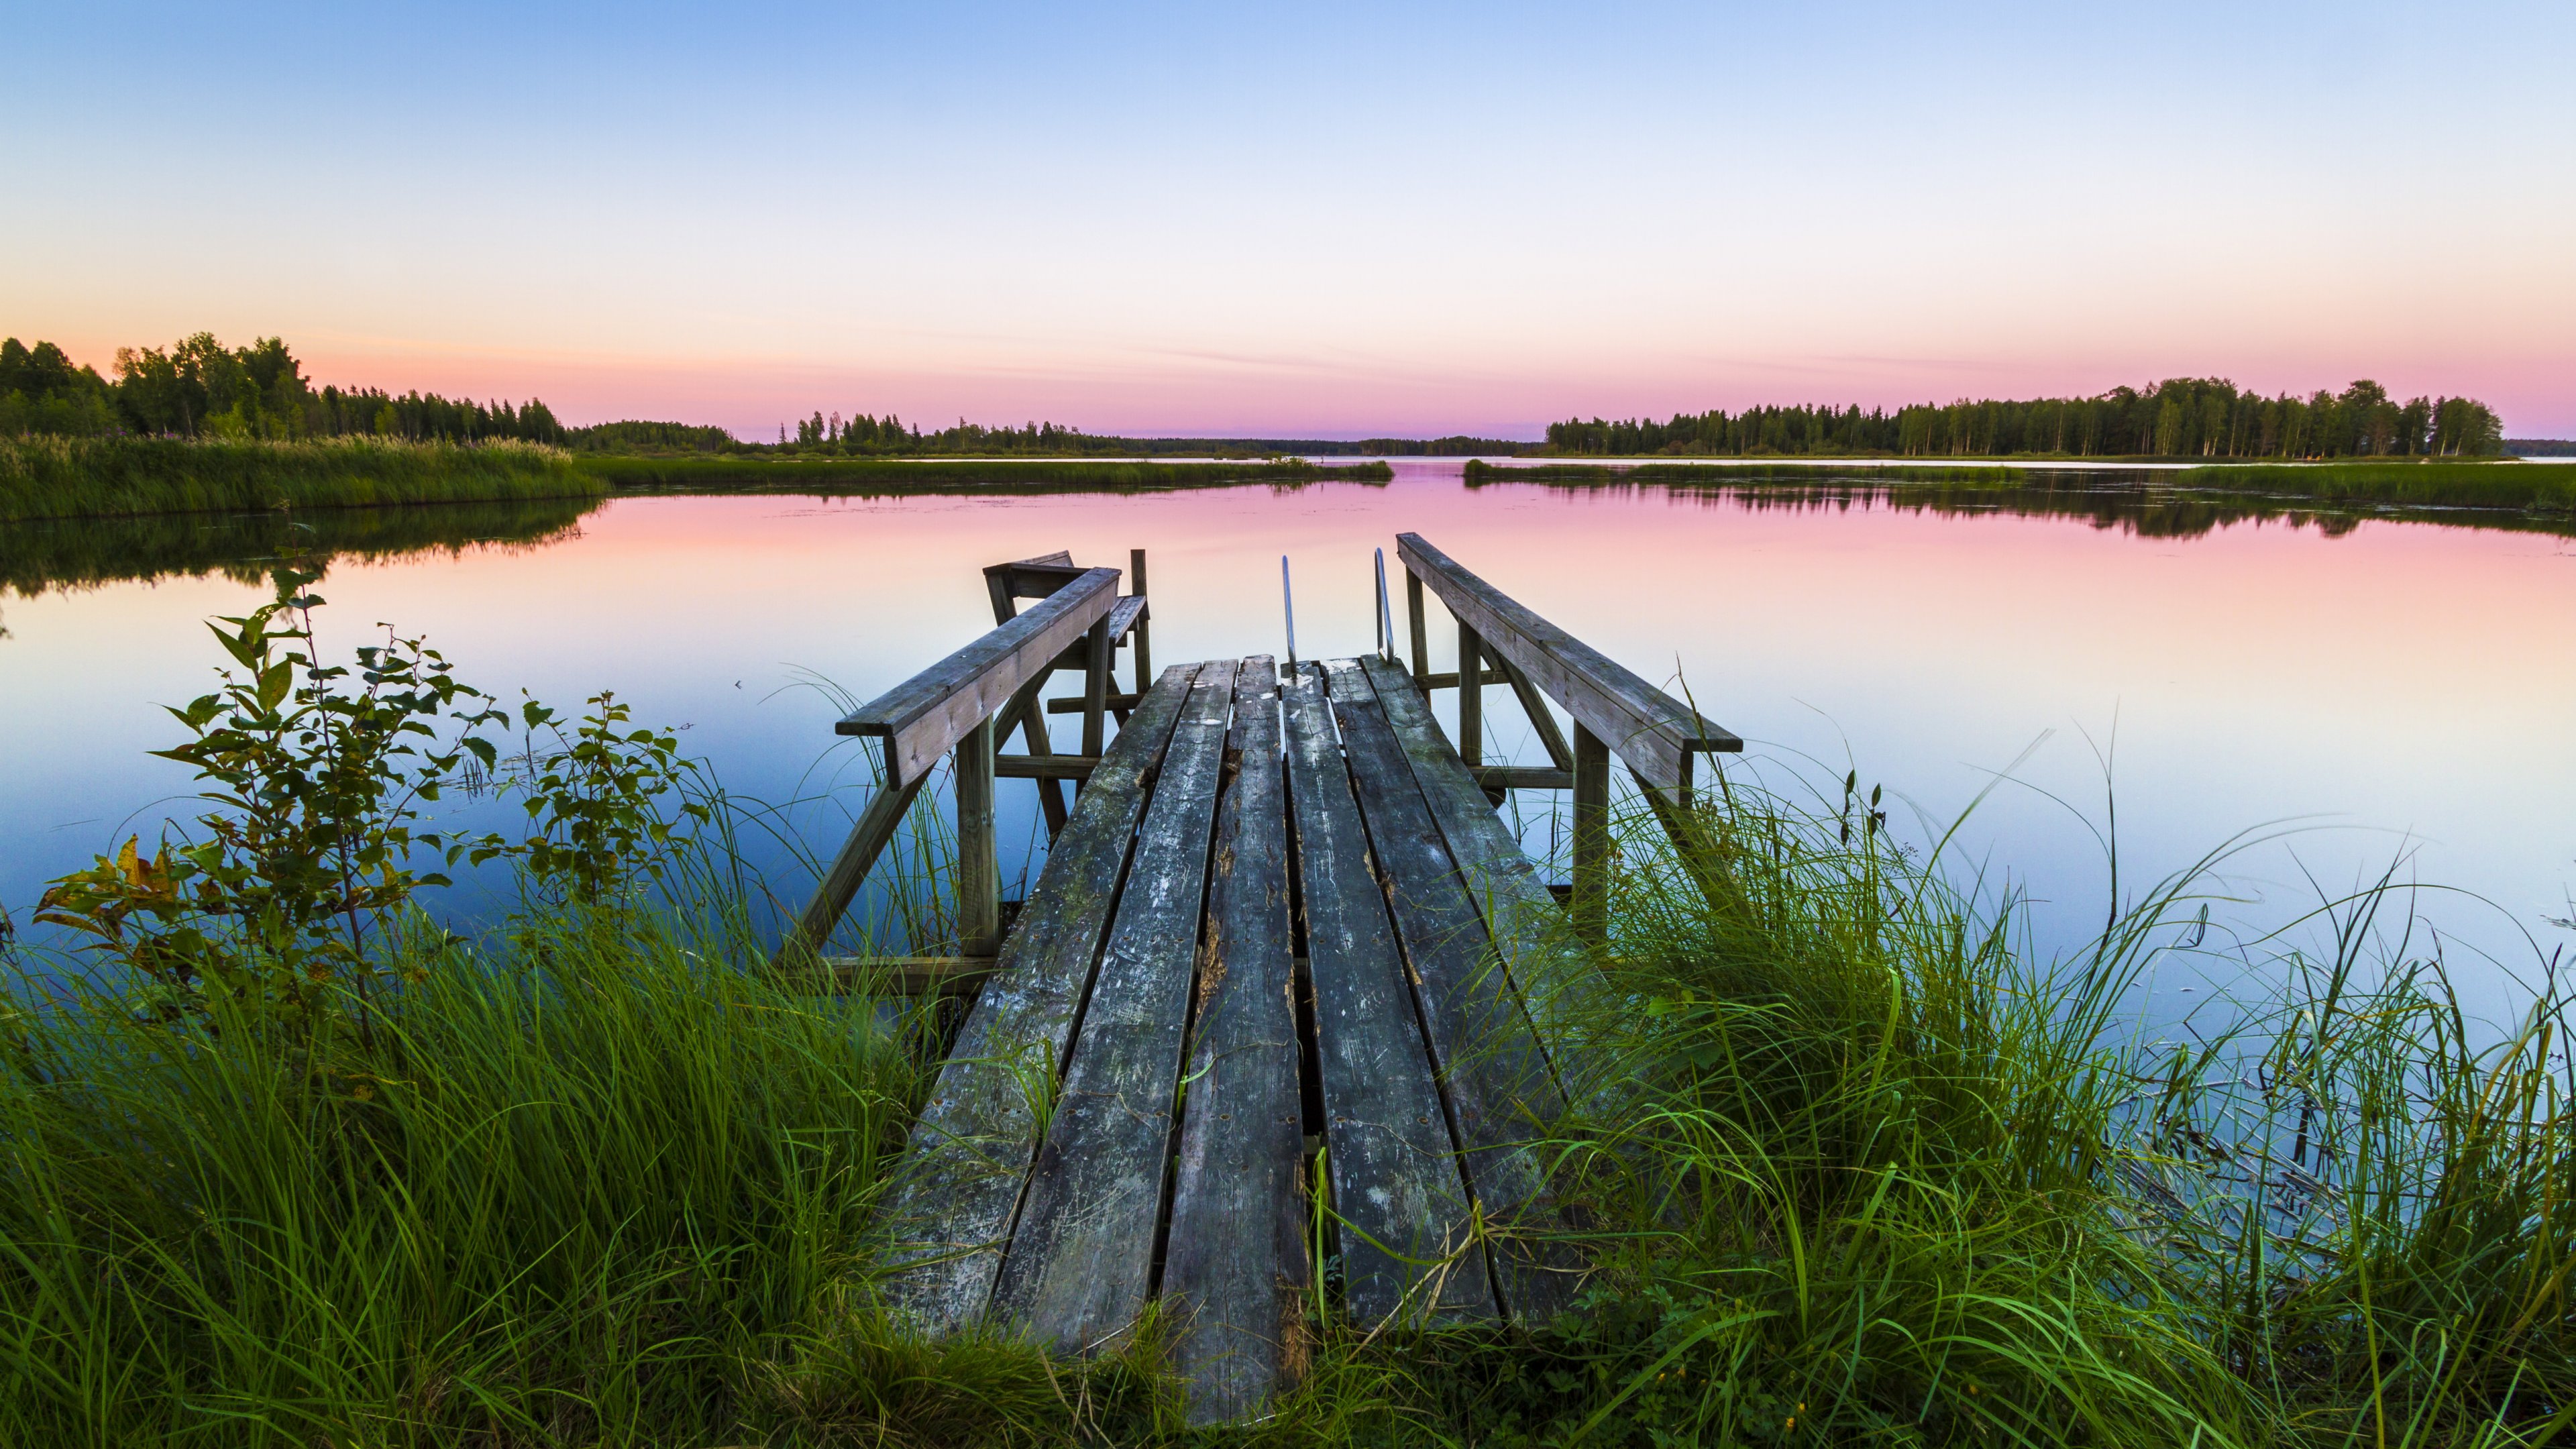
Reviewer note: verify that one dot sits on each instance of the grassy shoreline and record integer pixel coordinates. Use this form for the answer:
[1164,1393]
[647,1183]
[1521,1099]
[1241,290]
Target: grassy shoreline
[132,477]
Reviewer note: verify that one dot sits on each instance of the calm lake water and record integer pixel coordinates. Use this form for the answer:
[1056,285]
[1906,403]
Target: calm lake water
[2393,690]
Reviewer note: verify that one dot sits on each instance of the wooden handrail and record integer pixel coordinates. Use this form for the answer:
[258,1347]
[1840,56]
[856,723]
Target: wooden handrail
[923,717]
[1654,732]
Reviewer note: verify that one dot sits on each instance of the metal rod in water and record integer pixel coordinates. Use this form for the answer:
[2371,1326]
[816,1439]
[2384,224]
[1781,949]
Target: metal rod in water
[1385,616]
[1288,606]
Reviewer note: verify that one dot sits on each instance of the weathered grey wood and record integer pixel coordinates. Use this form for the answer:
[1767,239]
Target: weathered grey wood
[1590,907]
[904,975]
[1419,629]
[1033,739]
[1028,578]
[1648,728]
[876,826]
[1144,618]
[1045,767]
[1081,1260]
[949,1214]
[1235,1272]
[999,582]
[1076,706]
[1521,777]
[1501,1096]
[1126,619]
[1471,697]
[1560,985]
[1542,720]
[1560,989]
[925,716]
[979,870]
[1406,1224]
[1095,688]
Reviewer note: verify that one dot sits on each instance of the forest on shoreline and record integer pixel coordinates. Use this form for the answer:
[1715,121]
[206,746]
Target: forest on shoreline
[2183,417]
[197,388]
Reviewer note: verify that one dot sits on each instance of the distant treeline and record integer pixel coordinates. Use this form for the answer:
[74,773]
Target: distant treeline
[199,388]
[2178,418]
[862,435]
[2541,447]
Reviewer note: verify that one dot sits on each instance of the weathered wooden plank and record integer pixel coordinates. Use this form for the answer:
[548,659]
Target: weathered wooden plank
[1501,1096]
[927,714]
[1648,728]
[1406,1222]
[1527,927]
[1235,1272]
[875,827]
[949,1214]
[1560,986]
[1081,1261]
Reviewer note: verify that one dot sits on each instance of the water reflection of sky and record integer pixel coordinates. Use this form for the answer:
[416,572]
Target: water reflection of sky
[2403,687]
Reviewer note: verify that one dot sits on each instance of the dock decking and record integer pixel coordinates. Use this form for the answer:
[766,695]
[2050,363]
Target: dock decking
[1285,983]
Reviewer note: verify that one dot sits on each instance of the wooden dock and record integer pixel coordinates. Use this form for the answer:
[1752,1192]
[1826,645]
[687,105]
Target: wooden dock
[1286,987]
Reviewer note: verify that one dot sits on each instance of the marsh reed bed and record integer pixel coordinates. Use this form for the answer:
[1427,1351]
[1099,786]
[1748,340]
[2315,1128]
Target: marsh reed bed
[289,1163]
[55,477]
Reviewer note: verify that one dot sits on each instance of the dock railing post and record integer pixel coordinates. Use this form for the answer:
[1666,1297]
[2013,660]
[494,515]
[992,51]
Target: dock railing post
[979,870]
[1591,903]
[1421,634]
[1095,691]
[1144,623]
[1471,697]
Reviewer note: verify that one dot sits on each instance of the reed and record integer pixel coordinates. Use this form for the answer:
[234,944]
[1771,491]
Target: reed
[45,477]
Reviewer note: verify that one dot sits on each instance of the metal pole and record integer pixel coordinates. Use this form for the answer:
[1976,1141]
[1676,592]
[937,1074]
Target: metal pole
[1385,614]
[1288,606]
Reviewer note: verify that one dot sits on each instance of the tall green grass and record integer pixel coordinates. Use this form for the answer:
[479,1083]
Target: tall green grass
[1853,1167]
[918,475]
[45,477]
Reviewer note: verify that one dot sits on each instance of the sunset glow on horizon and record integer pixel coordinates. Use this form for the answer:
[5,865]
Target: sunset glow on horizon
[1332,222]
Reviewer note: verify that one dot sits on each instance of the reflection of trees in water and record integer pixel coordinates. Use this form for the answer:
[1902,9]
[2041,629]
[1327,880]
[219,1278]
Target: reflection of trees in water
[2145,509]
[82,553]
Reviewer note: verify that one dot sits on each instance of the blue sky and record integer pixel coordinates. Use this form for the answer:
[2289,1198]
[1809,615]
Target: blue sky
[1312,220]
